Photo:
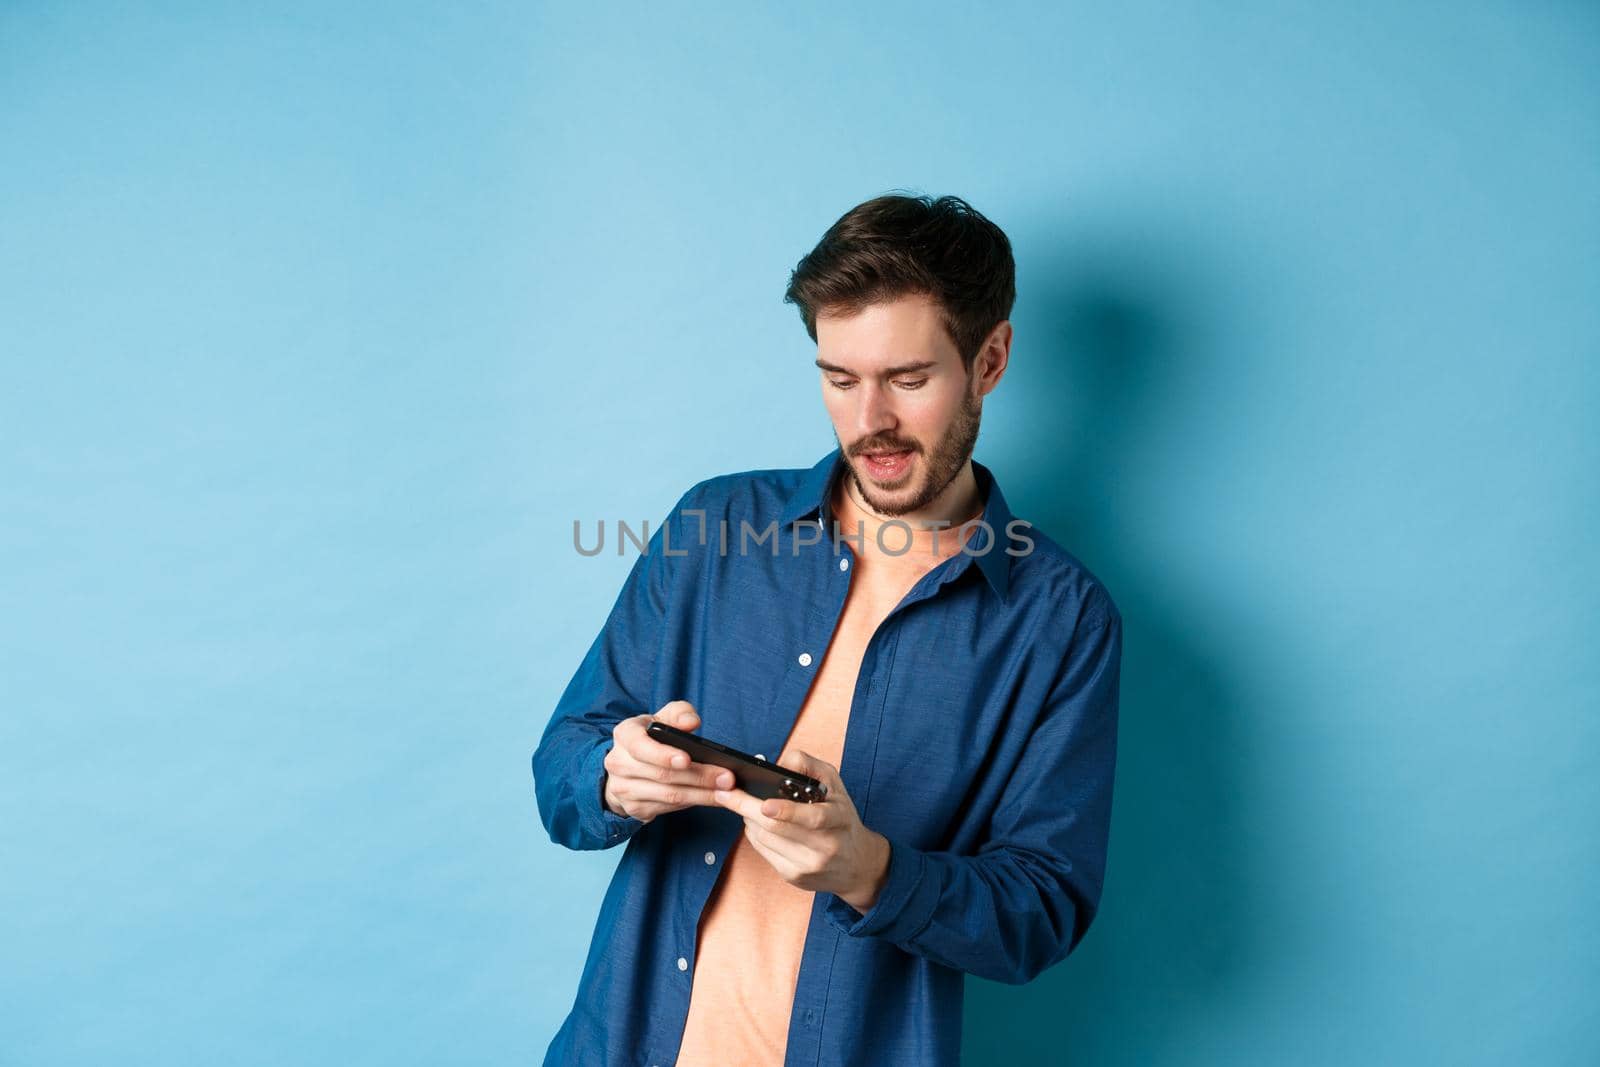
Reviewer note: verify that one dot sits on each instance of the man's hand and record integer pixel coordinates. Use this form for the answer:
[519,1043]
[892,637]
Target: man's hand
[645,778]
[822,846]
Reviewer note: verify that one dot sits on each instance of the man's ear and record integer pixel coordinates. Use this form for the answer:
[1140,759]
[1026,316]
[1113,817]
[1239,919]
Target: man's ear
[993,358]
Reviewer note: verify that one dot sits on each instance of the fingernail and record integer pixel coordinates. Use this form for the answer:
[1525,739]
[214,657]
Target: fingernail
[719,794]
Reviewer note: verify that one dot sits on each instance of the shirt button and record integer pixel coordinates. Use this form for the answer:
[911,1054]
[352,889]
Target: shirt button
[683,964]
[711,857]
[805,659]
[844,564]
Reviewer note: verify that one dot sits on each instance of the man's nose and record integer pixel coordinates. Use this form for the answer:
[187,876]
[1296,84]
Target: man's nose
[876,413]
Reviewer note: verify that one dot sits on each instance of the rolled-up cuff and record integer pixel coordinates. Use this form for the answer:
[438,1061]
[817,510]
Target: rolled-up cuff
[600,823]
[904,906]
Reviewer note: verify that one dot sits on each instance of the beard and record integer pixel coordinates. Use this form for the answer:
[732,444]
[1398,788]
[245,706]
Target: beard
[949,454]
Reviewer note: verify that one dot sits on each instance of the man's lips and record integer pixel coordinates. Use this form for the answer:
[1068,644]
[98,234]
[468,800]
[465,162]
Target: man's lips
[887,466]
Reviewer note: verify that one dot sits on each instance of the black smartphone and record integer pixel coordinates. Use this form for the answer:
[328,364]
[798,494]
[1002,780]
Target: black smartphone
[756,776]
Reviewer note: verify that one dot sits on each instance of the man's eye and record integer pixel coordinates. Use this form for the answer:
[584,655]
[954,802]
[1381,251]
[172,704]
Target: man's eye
[912,383]
[840,383]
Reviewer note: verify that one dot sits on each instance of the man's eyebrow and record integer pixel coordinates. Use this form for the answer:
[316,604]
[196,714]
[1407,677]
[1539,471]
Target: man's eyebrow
[891,372]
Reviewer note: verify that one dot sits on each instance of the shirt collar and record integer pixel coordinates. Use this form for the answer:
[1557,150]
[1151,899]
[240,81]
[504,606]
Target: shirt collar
[816,487]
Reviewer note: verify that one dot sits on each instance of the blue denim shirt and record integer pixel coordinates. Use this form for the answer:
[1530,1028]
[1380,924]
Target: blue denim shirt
[981,743]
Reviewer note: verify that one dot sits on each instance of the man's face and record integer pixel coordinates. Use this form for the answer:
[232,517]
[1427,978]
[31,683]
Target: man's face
[904,410]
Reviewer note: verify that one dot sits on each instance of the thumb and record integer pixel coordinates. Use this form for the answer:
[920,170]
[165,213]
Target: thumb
[816,767]
[679,713]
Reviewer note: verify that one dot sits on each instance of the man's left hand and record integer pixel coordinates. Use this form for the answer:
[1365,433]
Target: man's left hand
[821,846]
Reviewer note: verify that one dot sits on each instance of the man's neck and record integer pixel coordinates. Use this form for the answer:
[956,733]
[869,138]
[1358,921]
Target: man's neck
[960,502]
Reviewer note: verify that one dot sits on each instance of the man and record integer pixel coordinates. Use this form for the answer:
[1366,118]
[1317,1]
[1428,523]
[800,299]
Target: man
[882,623]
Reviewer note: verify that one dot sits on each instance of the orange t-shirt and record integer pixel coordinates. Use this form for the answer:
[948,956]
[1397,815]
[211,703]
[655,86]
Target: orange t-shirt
[753,928]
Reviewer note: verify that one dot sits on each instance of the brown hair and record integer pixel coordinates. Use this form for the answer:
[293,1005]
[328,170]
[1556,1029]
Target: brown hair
[896,245]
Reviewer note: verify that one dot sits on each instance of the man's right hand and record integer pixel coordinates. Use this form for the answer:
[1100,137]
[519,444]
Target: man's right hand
[645,778]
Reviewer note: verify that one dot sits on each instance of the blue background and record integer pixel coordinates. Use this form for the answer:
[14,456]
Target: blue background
[321,327]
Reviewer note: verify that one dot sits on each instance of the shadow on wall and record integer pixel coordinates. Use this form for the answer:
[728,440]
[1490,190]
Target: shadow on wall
[1173,939]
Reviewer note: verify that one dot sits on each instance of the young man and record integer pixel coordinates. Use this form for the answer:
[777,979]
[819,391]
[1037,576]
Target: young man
[882,623]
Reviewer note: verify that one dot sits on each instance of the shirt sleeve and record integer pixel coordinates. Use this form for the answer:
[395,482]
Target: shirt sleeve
[1025,900]
[612,683]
